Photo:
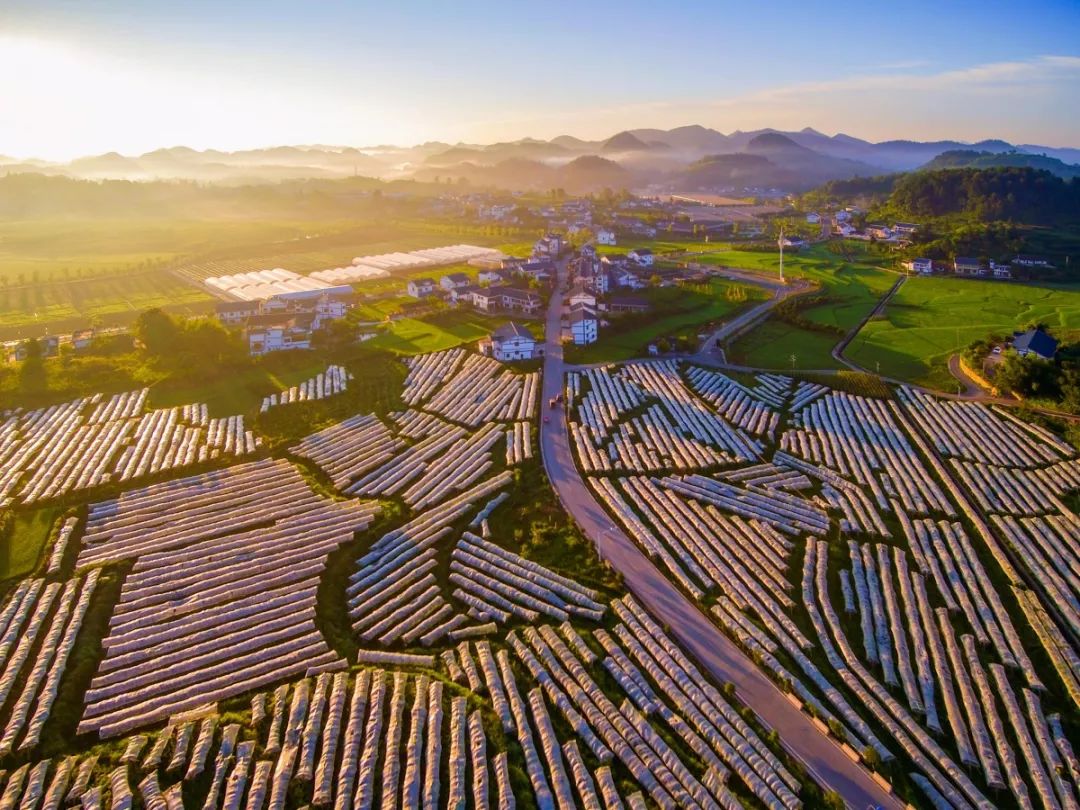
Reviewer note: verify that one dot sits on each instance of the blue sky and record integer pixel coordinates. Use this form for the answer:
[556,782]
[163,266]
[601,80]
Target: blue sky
[85,77]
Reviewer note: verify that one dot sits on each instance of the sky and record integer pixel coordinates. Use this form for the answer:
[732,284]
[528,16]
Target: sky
[81,77]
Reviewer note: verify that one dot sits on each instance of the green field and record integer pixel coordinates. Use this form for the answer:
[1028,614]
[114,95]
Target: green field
[679,311]
[851,284]
[106,300]
[772,344]
[61,275]
[21,549]
[931,318]
[444,330]
[240,390]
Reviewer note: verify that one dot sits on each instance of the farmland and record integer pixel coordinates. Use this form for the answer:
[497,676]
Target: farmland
[60,275]
[931,318]
[849,287]
[678,312]
[444,330]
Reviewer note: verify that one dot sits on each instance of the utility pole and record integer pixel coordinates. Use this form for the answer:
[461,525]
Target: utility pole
[780,243]
[793,358]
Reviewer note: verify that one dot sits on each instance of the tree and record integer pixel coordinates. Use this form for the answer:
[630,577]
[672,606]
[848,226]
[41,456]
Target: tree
[32,371]
[156,331]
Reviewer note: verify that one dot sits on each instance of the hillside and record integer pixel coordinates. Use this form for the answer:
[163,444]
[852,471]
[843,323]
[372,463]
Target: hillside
[1022,195]
[797,160]
[969,158]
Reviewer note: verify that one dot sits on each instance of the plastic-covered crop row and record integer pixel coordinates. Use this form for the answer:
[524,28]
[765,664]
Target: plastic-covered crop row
[334,380]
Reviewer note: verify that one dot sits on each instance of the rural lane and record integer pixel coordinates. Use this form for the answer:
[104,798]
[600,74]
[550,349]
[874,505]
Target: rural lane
[724,661]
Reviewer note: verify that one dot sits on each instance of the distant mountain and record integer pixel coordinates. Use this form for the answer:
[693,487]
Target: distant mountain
[572,143]
[582,174]
[970,158]
[694,139]
[455,154]
[794,160]
[775,143]
[738,171]
[594,172]
[624,142]
[806,167]
[1064,154]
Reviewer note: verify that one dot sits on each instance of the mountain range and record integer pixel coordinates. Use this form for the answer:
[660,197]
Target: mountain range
[688,158]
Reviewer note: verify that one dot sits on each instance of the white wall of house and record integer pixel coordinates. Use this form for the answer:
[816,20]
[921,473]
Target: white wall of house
[515,348]
[584,331]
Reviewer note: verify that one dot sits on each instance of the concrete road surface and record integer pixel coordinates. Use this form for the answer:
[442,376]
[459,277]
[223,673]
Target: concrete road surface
[724,661]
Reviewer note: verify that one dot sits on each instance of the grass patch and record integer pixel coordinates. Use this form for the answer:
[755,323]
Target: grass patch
[772,344]
[27,534]
[444,330]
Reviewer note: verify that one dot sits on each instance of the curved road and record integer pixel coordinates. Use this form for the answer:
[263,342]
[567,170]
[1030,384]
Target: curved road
[819,753]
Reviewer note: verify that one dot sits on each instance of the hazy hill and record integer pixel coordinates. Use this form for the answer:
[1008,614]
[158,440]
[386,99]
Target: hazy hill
[795,160]
[624,142]
[969,158]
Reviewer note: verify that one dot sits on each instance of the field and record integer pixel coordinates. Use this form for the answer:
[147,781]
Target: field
[851,285]
[679,311]
[20,550]
[445,330]
[58,275]
[931,318]
[772,345]
[242,390]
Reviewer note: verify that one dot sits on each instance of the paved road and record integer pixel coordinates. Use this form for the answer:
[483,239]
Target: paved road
[741,323]
[972,390]
[823,758]
[839,348]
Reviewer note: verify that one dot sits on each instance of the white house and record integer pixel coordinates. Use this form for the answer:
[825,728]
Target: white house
[550,245]
[813,218]
[454,281]
[1003,271]
[420,287]
[511,341]
[643,256]
[605,237]
[274,335]
[492,276]
[583,326]
[845,230]
[923,267]
[968,266]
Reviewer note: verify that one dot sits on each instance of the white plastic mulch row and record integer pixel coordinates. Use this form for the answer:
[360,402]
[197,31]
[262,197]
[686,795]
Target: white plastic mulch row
[643,418]
[1049,548]
[334,380]
[755,411]
[427,372]
[92,441]
[39,625]
[859,438]
[481,389]
[970,430]
[393,595]
[221,595]
[350,448]
[518,443]
[511,586]
[944,552]
[997,437]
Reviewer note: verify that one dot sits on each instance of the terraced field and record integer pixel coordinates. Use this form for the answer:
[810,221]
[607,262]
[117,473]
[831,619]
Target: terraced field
[932,318]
